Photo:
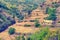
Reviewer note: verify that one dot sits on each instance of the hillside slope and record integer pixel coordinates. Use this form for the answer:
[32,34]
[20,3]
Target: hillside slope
[11,9]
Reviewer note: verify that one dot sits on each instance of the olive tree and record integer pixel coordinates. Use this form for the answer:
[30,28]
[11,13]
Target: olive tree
[11,31]
[37,24]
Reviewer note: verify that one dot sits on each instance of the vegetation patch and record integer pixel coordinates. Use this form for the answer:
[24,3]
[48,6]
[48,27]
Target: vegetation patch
[11,31]
[27,25]
[52,13]
[58,21]
[37,24]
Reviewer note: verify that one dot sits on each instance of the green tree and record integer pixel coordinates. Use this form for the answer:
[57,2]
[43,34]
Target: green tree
[28,38]
[40,35]
[11,31]
[37,24]
[59,36]
[52,17]
[23,37]
[17,38]
[51,12]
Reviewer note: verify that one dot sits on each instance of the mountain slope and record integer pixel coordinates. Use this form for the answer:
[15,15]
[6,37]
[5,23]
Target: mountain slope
[9,9]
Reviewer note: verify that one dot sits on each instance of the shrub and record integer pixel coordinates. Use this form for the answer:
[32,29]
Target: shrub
[32,20]
[40,35]
[11,31]
[17,38]
[59,36]
[28,38]
[58,21]
[37,24]
[23,37]
[51,12]
[27,25]
[4,26]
